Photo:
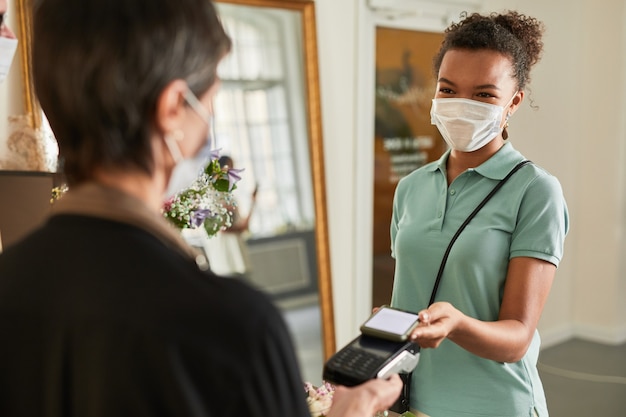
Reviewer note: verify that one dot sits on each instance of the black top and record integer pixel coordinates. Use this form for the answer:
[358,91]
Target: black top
[99,318]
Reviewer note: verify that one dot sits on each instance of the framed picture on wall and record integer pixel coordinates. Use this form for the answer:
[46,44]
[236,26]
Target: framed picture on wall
[404,138]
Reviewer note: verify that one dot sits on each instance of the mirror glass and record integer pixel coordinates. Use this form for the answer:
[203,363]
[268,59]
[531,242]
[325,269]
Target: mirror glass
[265,121]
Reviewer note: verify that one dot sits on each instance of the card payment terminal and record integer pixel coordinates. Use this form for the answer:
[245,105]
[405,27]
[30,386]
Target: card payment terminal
[368,357]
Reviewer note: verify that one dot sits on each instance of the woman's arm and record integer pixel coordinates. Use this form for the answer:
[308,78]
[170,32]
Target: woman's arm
[241,225]
[526,290]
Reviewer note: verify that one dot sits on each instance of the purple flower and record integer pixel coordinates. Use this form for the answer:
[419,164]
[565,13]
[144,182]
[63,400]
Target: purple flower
[215,154]
[197,217]
[233,177]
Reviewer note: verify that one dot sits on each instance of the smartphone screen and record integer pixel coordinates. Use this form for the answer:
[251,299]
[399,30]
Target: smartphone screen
[390,323]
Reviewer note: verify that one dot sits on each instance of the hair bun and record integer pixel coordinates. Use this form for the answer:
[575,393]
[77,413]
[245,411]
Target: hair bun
[527,29]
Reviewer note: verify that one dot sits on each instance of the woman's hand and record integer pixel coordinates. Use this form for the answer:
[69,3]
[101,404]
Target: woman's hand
[436,323]
[366,399]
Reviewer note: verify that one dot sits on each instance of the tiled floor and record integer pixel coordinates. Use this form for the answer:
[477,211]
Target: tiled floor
[584,379]
[305,325]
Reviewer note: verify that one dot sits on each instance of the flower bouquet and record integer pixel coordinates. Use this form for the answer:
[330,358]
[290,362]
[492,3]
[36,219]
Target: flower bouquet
[208,201]
[319,398]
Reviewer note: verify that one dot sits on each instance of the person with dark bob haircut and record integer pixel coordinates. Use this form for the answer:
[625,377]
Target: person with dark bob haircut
[478,324]
[104,309]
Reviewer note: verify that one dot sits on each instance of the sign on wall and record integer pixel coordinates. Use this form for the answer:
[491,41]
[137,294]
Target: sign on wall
[404,137]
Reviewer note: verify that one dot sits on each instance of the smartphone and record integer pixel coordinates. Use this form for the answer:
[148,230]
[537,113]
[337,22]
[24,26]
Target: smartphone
[390,324]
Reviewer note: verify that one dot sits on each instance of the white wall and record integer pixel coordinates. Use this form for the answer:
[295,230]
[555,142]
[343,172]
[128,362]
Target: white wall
[622,289]
[599,268]
[336,33]
[578,133]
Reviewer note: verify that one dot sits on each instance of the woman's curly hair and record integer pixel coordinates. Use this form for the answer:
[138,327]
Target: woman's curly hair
[512,34]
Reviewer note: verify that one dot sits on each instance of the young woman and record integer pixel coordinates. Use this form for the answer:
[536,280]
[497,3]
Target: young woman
[480,333]
[104,310]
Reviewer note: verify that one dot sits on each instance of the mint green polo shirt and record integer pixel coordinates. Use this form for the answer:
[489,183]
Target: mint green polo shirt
[527,217]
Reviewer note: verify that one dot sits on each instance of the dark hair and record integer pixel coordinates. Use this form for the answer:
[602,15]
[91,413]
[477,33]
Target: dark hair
[512,34]
[225,160]
[99,67]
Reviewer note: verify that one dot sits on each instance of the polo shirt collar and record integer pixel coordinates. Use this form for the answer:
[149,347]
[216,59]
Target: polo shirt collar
[496,167]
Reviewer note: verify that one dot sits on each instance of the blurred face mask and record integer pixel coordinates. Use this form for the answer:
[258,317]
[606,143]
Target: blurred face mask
[467,125]
[7,52]
[187,170]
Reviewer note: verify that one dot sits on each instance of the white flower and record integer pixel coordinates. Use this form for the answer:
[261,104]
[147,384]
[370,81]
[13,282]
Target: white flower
[207,202]
[319,399]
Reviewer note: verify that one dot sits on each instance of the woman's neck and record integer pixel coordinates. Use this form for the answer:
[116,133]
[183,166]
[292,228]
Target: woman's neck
[149,189]
[459,162]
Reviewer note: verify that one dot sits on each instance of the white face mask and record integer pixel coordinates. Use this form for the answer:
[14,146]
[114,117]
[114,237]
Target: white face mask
[467,125]
[187,170]
[7,52]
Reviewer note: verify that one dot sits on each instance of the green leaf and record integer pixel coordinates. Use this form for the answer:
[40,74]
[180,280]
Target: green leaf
[212,167]
[221,185]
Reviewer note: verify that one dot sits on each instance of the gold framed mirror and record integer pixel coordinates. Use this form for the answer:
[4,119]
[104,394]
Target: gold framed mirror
[24,9]
[257,13]
[304,12]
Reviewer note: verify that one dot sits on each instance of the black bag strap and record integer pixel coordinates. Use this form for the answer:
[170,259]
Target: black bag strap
[466,222]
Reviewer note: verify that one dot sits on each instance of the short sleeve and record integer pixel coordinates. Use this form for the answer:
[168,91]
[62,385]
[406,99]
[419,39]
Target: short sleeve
[394,220]
[542,221]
